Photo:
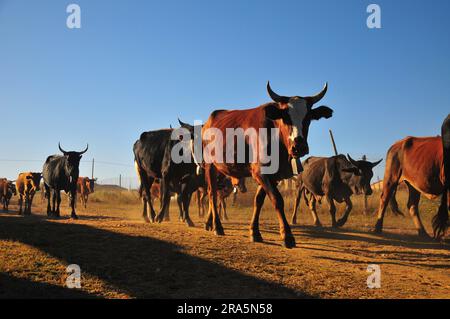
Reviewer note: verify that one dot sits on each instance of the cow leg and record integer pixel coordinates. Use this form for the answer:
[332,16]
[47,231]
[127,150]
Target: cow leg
[30,199]
[20,204]
[180,208]
[224,206]
[199,203]
[312,204]
[219,208]
[296,205]
[394,205]
[47,196]
[147,200]
[203,203]
[413,207]
[55,207]
[270,187]
[73,199]
[186,195]
[349,205]
[332,207]
[165,197]
[388,190]
[211,178]
[255,235]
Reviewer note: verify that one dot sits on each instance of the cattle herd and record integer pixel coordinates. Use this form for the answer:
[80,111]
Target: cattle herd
[423,163]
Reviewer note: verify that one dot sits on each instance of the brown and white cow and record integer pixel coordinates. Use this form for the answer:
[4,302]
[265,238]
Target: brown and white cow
[27,184]
[419,162]
[85,186]
[292,116]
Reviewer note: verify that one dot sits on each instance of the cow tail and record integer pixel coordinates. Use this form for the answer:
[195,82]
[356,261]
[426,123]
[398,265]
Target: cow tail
[440,221]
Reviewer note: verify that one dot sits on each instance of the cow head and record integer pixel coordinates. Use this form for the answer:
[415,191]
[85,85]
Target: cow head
[361,175]
[12,188]
[72,163]
[34,180]
[90,183]
[296,114]
[195,135]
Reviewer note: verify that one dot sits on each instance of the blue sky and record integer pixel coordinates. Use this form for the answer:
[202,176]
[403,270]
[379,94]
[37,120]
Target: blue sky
[139,65]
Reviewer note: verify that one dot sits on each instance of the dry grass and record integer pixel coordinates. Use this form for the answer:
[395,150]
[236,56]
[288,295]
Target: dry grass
[121,257]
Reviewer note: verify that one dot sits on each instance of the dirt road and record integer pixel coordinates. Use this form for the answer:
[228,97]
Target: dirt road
[121,257]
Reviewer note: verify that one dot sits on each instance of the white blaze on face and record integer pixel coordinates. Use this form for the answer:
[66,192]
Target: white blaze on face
[297,109]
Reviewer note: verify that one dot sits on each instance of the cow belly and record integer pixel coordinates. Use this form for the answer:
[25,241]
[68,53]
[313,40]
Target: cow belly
[430,190]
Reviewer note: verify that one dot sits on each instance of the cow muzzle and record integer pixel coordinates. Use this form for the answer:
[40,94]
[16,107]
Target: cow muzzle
[299,147]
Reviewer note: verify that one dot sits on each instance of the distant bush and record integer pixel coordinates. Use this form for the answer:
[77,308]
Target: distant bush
[115,196]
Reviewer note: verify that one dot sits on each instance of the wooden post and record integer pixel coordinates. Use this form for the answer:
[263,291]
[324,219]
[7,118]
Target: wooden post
[334,144]
[92,175]
[364,158]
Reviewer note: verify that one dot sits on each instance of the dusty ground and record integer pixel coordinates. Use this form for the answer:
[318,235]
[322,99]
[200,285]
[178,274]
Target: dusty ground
[121,257]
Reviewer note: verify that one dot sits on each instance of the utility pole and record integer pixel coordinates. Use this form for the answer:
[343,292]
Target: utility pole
[92,176]
[334,144]
[120,180]
[364,158]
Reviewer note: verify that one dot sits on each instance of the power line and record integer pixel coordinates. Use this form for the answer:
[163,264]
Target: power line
[42,161]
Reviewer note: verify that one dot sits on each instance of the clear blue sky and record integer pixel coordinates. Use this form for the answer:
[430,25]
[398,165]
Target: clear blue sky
[138,65]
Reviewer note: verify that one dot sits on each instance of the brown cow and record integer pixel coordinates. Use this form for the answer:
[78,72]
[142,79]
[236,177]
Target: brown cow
[226,186]
[7,190]
[85,186]
[292,117]
[27,184]
[419,162]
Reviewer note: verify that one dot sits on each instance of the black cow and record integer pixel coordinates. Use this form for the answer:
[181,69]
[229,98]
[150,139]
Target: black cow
[152,153]
[61,173]
[7,190]
[335,178]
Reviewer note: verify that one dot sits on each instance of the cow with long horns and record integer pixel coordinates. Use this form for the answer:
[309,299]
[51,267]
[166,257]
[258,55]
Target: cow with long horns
[61,173]
[291,118]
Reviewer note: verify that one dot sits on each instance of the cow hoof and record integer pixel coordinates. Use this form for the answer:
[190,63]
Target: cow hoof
[289,241]
[208,227]
[146,219]
[74,216]
[378,228]
[219,232]
[189,222]
[340,223]
[424,235]
[294,222]
[256,238]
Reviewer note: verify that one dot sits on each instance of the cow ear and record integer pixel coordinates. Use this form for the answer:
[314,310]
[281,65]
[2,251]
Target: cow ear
[273,112]
[320,112]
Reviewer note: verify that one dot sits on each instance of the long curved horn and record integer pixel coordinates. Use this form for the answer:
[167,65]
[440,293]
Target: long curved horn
[277,98]
[316,98]
[376,163]
[60,148]
[185,125]
[82,152]
[352,160]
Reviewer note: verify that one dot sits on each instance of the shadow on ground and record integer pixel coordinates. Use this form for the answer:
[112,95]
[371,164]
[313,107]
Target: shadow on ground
[142,267]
